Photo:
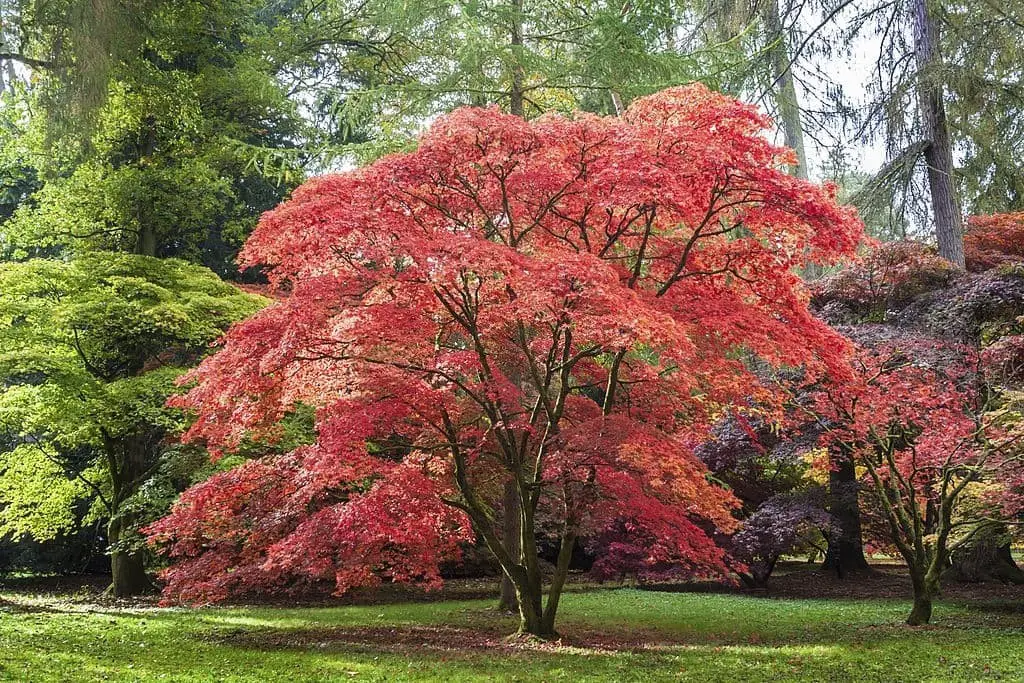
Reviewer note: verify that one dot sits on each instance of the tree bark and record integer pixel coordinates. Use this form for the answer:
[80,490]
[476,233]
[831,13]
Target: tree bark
[508,601]
[845,552]
[535,618]
[127,570]
[558,580]
[925,589]
[787,102]
[986,558]
[939,153]
[517,94]
[126,459]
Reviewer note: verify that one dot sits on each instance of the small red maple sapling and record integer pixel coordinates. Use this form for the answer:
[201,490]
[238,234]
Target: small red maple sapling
[558,305]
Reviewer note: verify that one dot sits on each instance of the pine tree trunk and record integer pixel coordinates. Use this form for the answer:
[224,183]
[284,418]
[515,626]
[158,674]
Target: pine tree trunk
[845,554]
[787,102]
[939,153]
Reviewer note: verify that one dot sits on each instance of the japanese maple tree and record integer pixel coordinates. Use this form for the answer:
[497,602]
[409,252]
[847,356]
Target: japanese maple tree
[941,465]
[566,304]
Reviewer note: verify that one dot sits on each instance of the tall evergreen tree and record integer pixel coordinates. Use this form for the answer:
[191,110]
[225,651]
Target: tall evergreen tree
[944,97]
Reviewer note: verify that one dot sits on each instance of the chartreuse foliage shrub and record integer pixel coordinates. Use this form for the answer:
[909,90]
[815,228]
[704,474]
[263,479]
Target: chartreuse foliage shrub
[90,350]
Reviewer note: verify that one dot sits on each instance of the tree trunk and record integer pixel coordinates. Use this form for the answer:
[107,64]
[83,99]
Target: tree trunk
[531,615]
[530,601]
[939,153]
[921,613]
[145,243]
[786,101]
[530,583]
[925,590]
[986,558]
[127,459]
[536,619]
[127,570]
[845,552]
[558,580]
[517,94]
[508,601]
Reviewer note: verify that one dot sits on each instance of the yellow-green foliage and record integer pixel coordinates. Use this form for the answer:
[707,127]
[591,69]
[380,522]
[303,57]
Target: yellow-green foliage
[90,350]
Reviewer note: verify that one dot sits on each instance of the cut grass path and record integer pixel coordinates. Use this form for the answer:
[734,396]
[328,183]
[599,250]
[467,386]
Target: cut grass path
[614,635]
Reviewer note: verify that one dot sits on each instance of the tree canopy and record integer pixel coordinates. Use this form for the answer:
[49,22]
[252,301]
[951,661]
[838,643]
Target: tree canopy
[561,303]
[91,349]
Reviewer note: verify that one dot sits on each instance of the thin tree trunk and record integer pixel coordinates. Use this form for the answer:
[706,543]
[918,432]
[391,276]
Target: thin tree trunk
[617,104]
[508,602]
[145,243]
[845,552]
[558,581]
[787,102]
[939,153]
[516,105]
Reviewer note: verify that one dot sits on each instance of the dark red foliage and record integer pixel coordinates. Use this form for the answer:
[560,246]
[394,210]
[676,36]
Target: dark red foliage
[890,274]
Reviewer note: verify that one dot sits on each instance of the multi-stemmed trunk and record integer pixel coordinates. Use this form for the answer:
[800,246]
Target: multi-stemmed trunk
[519,561]
[537,616]
[921,525]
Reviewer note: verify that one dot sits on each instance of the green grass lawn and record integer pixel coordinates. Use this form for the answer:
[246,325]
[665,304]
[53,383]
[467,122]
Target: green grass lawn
[618,635]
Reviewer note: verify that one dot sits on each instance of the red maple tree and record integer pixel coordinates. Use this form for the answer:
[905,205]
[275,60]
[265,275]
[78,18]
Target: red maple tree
[940,463]
[562,305]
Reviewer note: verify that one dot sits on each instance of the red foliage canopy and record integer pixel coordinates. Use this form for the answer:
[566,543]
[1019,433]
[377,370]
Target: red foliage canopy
[891,273]
[994,239]
[565,304]
[913,416]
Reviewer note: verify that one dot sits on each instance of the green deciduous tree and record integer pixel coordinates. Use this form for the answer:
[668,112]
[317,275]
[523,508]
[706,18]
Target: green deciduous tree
[89,353]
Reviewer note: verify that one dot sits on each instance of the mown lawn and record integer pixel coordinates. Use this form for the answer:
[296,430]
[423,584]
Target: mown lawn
[617,635]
